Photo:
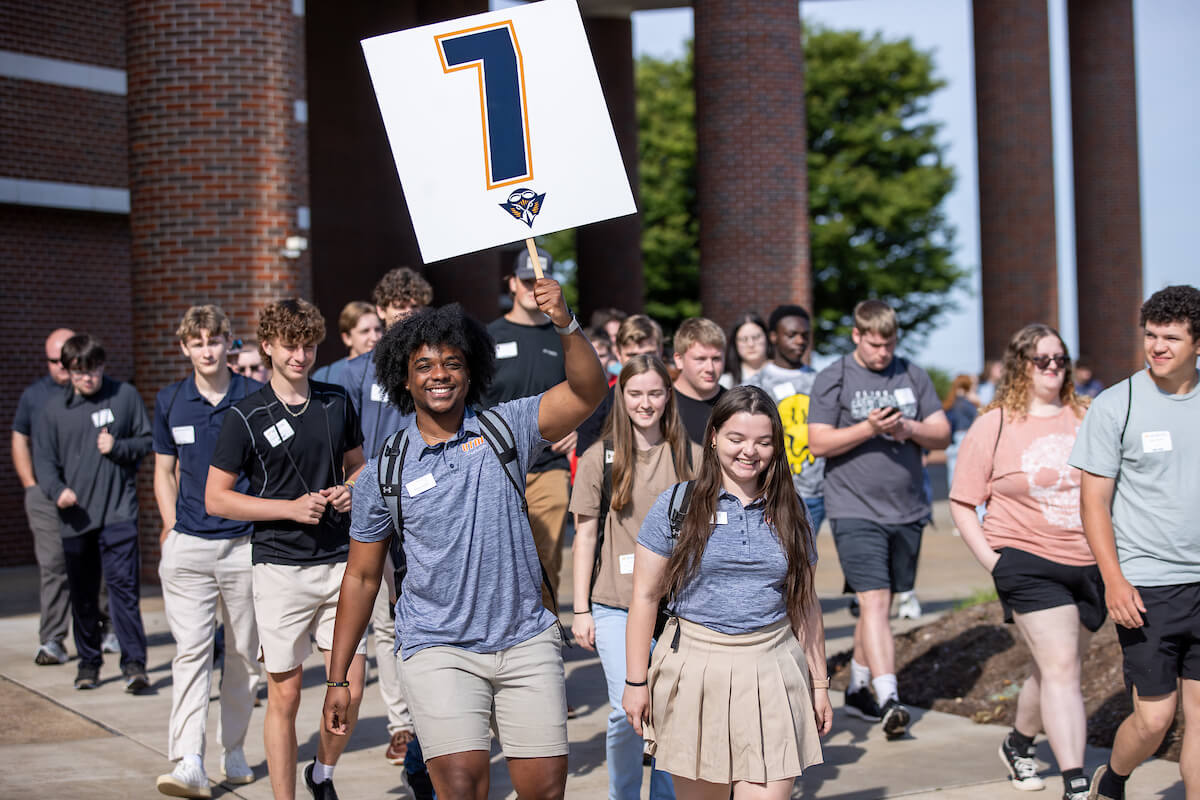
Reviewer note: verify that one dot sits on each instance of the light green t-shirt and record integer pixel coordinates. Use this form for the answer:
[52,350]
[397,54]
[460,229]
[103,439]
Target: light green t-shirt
[1156,464]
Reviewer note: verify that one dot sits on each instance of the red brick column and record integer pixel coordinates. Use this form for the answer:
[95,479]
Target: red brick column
[1108,229]
[610,252]
[752,181]
[1016,168]
[218,170]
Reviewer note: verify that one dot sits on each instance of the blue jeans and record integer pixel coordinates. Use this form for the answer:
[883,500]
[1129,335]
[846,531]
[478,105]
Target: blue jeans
[622,745]
[816,511]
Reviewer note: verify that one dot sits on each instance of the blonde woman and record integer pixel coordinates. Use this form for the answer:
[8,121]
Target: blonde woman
[1014,459]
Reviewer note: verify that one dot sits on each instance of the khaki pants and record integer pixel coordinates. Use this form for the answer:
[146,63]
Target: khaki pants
[198,576]
[546,495]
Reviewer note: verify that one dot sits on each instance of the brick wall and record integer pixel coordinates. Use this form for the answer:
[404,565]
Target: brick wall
[1016,169]
[218,170]
[58,269]
[85,31]
[751,175]
[1108,230]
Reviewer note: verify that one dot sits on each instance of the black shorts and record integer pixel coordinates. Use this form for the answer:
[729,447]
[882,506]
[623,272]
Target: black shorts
[874,555]
[1167,646]
[1027,583]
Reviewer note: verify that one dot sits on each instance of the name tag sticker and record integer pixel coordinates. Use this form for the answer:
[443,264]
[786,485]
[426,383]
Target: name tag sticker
[421,484]
[783,391]
[378,395]
[1156,441]
[102,417]
[722,518]
[625,562]
[278,433]
[904,396]
[608,456]
[184,434]
[506,350]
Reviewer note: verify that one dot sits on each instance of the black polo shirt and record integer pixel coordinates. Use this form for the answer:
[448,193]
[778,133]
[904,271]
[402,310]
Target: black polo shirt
[285,452]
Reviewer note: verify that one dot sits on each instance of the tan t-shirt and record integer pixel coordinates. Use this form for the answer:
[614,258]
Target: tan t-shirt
[1032,493]
[653,474]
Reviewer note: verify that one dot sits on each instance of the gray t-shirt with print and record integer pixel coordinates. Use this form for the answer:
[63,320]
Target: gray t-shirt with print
[882,478]
[1156,464]
[474,580]
[791,389]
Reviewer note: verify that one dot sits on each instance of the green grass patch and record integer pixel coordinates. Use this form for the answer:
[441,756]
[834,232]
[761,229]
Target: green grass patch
[977,598]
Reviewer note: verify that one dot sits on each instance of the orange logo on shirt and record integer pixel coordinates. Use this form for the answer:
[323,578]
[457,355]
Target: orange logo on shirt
[472,444]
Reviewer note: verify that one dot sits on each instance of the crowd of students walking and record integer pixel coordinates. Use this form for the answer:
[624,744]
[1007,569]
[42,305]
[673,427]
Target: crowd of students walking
[420,487]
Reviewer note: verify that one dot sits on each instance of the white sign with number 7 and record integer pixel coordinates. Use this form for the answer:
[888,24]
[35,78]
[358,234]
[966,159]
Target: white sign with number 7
[498,127]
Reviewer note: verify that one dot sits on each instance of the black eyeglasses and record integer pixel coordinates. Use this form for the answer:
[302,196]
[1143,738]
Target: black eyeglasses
[1041,362]
[54,361]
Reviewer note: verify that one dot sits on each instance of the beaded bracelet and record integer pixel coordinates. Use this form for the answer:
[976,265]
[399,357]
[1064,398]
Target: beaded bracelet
[338,684]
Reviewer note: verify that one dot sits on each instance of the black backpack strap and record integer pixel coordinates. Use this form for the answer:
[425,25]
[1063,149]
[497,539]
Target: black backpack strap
[500,438]
[1128,408]
[681,499]
[606,486]
[389,468]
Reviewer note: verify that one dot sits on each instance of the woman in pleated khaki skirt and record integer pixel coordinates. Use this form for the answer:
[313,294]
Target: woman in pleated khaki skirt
[737,692]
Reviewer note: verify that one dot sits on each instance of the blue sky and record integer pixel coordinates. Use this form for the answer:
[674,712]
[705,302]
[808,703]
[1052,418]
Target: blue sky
[1168,76]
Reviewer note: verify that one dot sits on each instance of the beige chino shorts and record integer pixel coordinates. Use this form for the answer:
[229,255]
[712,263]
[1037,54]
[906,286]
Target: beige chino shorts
[293,605]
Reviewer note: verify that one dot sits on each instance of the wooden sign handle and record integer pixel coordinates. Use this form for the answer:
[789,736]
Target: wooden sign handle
[534,259]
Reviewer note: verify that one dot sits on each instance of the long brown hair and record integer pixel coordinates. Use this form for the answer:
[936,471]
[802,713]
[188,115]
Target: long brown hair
[782,505]
[1013,392]
[619,430]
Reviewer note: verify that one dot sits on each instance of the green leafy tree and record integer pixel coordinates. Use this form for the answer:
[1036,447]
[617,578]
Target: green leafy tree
[876,182]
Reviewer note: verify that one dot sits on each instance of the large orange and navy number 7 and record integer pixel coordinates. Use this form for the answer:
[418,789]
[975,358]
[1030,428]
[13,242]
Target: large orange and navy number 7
[492,51]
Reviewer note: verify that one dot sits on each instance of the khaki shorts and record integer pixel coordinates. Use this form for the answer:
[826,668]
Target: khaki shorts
[294,605]
[458,698]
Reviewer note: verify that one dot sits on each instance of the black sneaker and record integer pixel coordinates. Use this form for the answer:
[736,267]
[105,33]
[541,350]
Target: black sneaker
[861,704]
[1077,789]
[895,719]
[421,785]
[87,677]
[320,791]
[135,676]
[1022,768]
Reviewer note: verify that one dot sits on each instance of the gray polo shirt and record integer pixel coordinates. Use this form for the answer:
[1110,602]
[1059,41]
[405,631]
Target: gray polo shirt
[739,585]
[474,580]
[1156,464]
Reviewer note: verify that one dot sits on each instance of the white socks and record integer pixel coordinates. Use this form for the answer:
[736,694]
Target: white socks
[860,676]
[885,688]
[324,772]
[195,760]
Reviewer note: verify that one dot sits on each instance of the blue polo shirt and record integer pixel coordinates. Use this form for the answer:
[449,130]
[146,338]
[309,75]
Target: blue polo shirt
[474,580]
[186,426]
[739,585]
[378,417]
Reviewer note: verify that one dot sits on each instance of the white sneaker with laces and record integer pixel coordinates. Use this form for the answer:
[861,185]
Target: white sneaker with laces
[910,606]
[186,780]
[110,643]
[235,768]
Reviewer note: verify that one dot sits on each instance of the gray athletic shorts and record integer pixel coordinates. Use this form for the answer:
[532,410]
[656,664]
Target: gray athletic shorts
[875,555]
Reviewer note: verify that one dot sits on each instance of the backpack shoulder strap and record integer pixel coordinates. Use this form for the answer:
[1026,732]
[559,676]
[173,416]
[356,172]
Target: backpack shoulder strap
[500,438]
[681,498]
[606,482]
[389,468]
[1128,408]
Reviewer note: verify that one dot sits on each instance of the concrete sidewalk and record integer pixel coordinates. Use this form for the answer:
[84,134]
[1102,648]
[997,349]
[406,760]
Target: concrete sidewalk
[107,745]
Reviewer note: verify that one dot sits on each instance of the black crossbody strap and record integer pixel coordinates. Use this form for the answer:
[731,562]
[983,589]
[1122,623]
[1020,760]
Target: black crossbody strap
[681,499]
[388,471]
[1128,407]
[606,485]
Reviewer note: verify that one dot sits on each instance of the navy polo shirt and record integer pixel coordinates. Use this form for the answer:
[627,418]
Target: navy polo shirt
[474,580]
[186,426]
[739,585]
[378,417]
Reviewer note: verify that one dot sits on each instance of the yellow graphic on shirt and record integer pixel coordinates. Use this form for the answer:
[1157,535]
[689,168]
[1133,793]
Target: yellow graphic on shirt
[793,411]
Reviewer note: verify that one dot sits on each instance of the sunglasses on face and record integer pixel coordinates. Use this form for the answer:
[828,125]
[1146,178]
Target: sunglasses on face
[1041,362]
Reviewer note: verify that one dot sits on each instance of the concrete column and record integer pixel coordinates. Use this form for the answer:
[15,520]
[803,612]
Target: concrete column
[752,180]
[1016,168]
[610,252]
[1108,230]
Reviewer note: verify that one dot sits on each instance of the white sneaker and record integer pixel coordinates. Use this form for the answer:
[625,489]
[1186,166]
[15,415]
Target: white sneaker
[51,652]
[110,643]
[186,780]
[910,606]
[235,768]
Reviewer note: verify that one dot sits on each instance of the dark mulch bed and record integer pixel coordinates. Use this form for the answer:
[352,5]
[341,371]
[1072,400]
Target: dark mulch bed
[968,662]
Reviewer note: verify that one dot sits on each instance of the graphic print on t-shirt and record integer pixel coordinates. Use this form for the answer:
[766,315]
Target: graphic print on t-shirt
[1053,483]
[793,412]
[867,400]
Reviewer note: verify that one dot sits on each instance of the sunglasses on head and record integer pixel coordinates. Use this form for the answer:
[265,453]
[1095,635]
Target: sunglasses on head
[1041,362]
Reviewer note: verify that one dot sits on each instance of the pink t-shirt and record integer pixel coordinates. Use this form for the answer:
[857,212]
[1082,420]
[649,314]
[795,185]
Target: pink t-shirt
[1032,494]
